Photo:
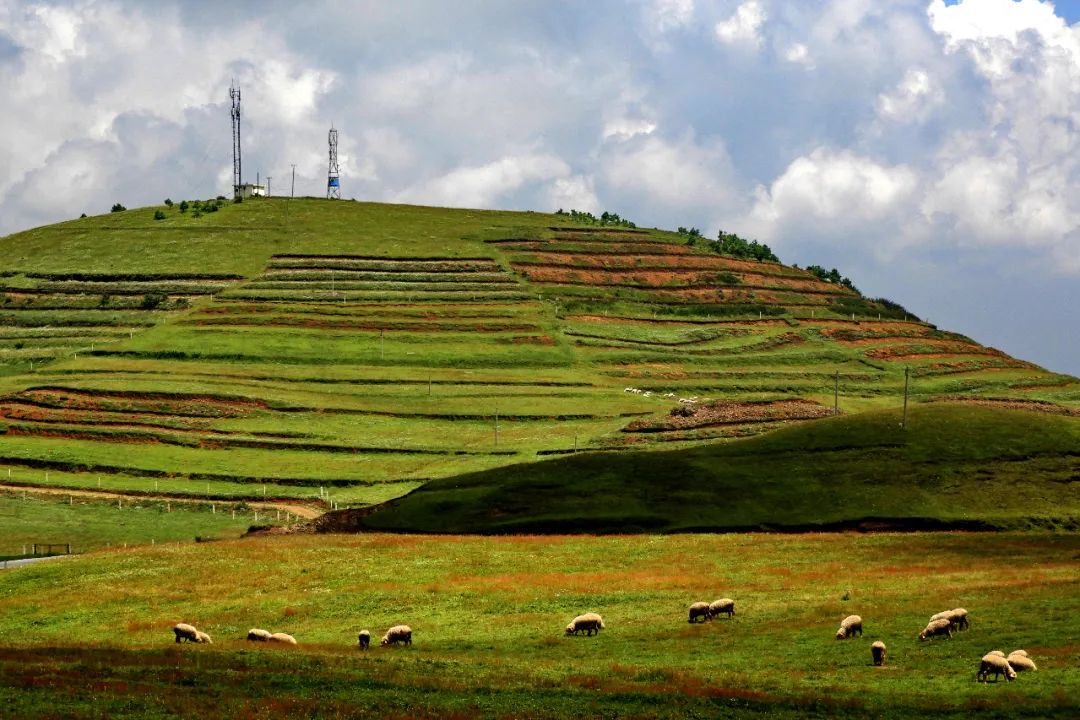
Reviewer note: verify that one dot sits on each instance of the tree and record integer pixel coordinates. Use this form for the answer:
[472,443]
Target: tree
[168,202]
[183,206]
[159,215]
[118,208]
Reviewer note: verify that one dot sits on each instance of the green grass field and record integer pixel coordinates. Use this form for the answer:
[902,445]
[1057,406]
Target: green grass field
[91,636]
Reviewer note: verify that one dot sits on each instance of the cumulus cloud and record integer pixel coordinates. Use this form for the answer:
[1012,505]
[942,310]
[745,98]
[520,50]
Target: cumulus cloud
[485,185]
[912,99]
[744,26]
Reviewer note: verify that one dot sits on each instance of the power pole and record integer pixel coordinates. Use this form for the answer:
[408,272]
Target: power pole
[836,394]
[903,422]
[292,188]
[268,179]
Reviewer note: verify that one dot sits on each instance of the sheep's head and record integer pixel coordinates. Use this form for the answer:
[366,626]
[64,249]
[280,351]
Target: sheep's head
[840,634]
[385,640]
[1010,674]
[570,629]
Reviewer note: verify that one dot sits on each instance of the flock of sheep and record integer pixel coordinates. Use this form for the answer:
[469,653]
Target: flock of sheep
[942,624]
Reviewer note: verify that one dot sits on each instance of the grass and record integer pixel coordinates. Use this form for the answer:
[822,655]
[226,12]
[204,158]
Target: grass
[87,636]
[955,465]
[93,524]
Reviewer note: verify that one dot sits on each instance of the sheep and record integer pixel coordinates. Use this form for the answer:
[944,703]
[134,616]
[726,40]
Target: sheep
[1021,653]
[722,606]
[283,638]
[201,637]
[995,665]
[999,653]
[849,626]
[1020,663]
[396,634]
[258,635]
[958,617]
[183,631]
[364,639]
[591,623]
[699,611]
[941,626]
[877,651]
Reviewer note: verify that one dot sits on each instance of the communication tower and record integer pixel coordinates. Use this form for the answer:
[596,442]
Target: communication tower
[333,181]
[234,96]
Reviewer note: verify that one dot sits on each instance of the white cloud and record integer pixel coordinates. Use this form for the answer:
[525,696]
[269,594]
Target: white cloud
[912,99]
[832,189]
[484,185]
[572,193]
[799,54]
[679,174]
[744,26]
[666,15]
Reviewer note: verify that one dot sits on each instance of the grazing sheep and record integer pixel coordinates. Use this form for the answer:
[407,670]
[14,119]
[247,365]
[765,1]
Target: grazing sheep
[396,634]
[201,637]
[941,626]
[957,616]
[996,665]
[999,653]
[364,639]
[591,623]
[877,651]
[699,611]
[1021,653]
[258,635]
[183,631]
[849,626]
[1021,663]
[722,606]
[283,638]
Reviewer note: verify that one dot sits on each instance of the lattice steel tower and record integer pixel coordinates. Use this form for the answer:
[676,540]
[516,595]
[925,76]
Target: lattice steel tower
[234,96]
[333,181]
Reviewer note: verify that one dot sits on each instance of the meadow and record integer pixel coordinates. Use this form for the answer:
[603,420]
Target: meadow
[90,636]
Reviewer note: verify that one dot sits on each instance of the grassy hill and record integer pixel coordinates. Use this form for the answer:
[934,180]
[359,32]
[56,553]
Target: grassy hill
[346,353]
[955,466]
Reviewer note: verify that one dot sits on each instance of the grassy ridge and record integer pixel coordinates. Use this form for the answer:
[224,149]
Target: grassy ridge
[488,614]
[955,464]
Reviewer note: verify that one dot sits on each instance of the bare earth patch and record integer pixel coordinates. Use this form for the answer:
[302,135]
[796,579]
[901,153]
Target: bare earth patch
[694,415]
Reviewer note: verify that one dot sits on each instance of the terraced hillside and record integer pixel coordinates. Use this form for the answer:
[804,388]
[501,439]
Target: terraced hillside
[350,352]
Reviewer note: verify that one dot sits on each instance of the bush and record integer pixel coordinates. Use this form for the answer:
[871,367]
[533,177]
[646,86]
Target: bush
[183,206]
[152,300]
[118,208]
[168,202]
[732,244]
[82,216]
[238,200]
[159,215]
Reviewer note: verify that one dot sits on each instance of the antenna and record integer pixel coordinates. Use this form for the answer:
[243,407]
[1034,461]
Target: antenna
[333,182]
[234,96]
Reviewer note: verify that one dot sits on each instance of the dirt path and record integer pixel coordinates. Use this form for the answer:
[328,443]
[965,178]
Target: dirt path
[304,511]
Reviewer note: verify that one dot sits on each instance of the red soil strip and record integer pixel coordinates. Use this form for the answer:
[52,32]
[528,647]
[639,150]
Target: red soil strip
[616,320]
[645,278]
[689,416]
[944,349]
[1042,406]
[205,405]
[595,246]
[676,261]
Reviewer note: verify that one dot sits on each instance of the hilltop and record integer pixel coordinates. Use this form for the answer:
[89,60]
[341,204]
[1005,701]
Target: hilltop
[348,353]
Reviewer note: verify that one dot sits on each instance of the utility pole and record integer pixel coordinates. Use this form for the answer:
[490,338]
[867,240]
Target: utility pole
[836,394]
[234,97]
[903,423]
[496,427]
[268,179]
[292,188]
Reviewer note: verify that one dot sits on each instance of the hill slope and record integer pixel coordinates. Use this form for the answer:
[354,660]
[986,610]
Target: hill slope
[350,352]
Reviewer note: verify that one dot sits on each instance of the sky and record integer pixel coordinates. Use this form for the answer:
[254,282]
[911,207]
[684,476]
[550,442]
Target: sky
[929,150]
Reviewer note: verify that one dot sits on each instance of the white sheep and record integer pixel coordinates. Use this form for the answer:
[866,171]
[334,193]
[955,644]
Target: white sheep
[396,634]
[957,616]
[999,653]
[590,623]
[1021,662]
[849,626]
[201,637]
[258,635]
[721,607]
[941,626]
[995,665]
[283,638]
[699,611]
[364,639]
[183,631]
[877,651]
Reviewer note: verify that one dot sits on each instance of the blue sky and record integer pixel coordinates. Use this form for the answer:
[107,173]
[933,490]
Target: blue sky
[930,150]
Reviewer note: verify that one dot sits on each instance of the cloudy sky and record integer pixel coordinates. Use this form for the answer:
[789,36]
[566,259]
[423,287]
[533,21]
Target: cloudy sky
[929,149]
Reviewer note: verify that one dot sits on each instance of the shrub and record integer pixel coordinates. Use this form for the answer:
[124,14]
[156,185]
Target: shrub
[118,208]
[152,300]
[168,202]
[82,216]
[183,206]
[732,244]
[159,215]
[238,199]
